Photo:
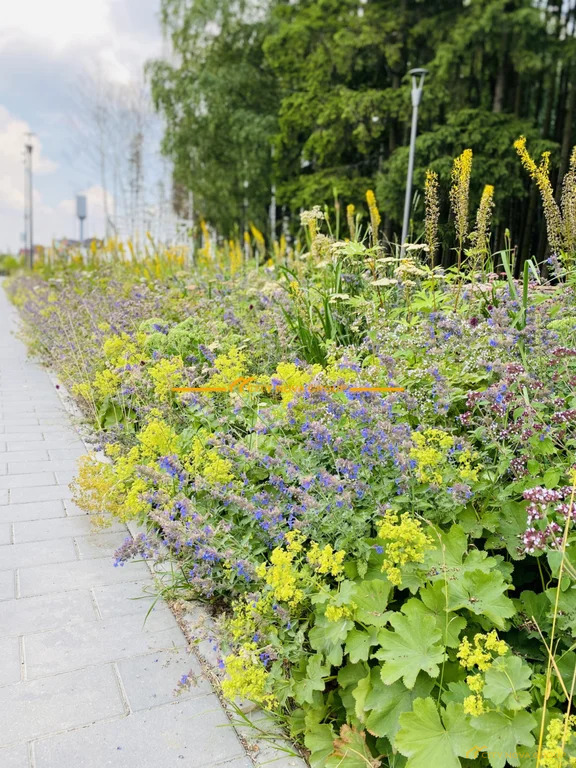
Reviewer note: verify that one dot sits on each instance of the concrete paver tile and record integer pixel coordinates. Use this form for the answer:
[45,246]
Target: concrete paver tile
[38,552]
[9,660]
[82,574]
[193,733]
[151,680]
[30,709]
[98,642]
[43,612]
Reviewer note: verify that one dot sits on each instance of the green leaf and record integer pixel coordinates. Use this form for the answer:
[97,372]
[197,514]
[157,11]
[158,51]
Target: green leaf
[450,624]
[551,478]
[351,751]
[385,703]
[360,693]
[507,681]
[428,742]
[413,646]
[320,742]
[359,642]
[371,599]
[482,594]
[314,680]
[350,674]
[500,734]
[327,637]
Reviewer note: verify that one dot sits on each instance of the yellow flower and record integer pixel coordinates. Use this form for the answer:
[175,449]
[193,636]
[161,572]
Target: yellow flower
[475,683]
[432,207]
[480,654]
[474,705]
[337,612]
[405,542]
[247,677]
[459,193]
[230,366]
[350,218]
[165,375]
[294,540]
[326,560]
[106,383]
[430,453]
[374,215]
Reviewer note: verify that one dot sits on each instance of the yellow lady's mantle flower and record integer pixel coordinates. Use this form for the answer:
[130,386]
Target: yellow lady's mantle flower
[404,542]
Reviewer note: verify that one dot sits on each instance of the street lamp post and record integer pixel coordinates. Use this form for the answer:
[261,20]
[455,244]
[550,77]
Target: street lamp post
[81,212]
[29,147]
[418,76]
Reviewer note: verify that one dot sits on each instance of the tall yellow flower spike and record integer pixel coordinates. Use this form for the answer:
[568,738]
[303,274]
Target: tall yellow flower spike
[459,194]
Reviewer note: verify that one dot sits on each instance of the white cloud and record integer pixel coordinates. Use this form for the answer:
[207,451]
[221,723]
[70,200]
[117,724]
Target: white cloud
[85,34]
[12,137]
[50,221]
[56,24]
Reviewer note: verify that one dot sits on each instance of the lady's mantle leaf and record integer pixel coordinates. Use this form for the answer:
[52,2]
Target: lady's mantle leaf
[320,741]
[428,742]
[506,683]
[413,646]
[385,703]
[501,734]
[351,751]
[371,598]
[483,594]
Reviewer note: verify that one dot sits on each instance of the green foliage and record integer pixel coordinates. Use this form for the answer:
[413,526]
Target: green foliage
[395,569]
[325,83]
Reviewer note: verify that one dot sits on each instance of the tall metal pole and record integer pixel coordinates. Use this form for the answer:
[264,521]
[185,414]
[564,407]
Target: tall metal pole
[29,149]
[418,76]
[272,204]
[26,229]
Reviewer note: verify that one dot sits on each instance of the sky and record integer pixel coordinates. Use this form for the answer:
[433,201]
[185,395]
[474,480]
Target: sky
[48,53]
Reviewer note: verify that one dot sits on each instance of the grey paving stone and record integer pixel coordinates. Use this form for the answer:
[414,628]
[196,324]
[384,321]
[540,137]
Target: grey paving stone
[73,510]
[33,708]
[56,528]
[5,534]
[7,584]
[34,454]
[15,757]
[71,443]
[17,420]
[65,477]
[82,574]
[39,493]
[190,734]
[28,437]
[37,552]
[27,480]
[3,469]
[101,544]
[39,510]
[65,454]
[3,496]
[151,680]
[98,642]
[129,597]
[26,467]
[17,409]
[9,660]
[43,612]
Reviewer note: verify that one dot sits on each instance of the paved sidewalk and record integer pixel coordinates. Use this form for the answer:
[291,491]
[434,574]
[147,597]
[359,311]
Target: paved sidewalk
[83,682]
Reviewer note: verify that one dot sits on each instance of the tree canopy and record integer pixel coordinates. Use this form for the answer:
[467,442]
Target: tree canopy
[324,83]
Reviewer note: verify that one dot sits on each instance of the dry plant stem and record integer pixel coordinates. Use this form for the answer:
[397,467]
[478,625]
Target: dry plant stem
[551,660]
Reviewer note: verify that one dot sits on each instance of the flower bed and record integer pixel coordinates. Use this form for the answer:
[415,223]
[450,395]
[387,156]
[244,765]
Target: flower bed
[395,569]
